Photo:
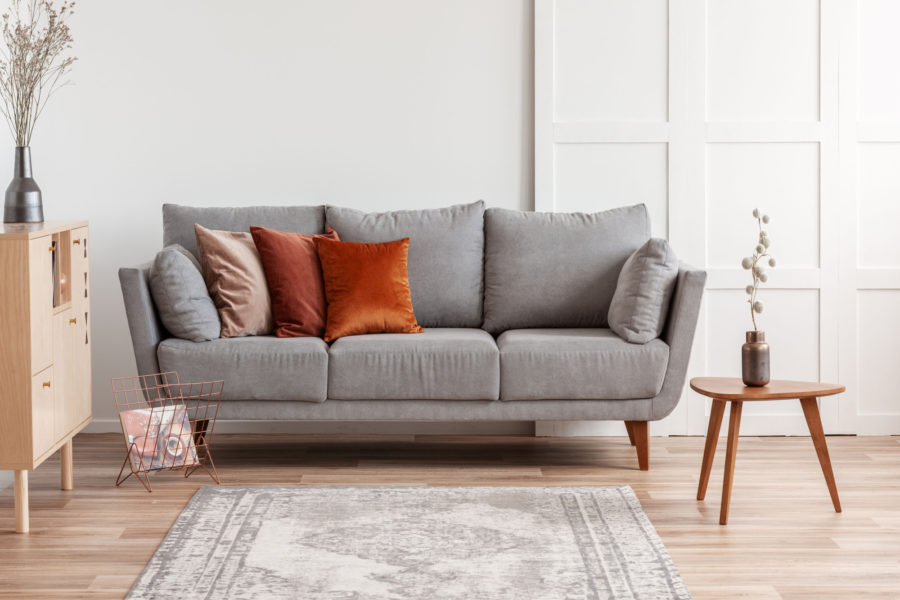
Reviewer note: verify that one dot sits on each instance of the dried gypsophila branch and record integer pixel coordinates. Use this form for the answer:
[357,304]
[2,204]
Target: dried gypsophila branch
[32,66]
[756,266]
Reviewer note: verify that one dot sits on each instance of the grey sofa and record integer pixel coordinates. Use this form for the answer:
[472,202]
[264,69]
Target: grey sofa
[514,307]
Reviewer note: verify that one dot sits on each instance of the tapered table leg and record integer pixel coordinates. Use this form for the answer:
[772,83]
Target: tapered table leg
[816,431]
[66,474]
[709,451]
[734,429]
[21,492]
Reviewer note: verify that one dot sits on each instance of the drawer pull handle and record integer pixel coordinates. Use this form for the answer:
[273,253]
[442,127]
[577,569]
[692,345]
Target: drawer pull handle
[76,242]
[52,248]
[45,384]
[73,320]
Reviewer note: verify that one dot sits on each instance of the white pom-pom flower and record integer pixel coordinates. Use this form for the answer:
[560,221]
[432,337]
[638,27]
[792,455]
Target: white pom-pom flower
[760,249]
[765,242]
[758,306]
[771,261]
[749,289]
[747,262]
[764,277]
[765,219]
[755,213]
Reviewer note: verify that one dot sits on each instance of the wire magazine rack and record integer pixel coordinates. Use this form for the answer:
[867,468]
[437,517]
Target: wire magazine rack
[166,424]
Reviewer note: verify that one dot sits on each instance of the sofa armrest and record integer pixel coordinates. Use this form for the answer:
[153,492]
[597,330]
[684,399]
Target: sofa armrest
[146,329]
[679,335]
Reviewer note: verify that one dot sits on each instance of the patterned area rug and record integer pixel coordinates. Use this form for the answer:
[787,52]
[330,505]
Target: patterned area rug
[392,543]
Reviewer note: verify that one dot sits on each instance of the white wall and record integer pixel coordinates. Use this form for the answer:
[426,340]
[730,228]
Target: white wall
[375,105]
[705,109]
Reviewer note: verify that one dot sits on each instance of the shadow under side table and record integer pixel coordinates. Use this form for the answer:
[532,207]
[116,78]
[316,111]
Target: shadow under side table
[732,389]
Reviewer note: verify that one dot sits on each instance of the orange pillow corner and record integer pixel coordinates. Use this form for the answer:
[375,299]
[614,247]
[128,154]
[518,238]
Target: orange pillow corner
[366,288]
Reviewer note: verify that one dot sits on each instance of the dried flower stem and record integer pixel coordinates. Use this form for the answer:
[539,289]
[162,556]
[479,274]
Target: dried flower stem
[754,264]
[32,66]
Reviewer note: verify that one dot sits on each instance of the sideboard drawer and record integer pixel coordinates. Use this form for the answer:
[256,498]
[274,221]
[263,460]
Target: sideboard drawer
[43,434]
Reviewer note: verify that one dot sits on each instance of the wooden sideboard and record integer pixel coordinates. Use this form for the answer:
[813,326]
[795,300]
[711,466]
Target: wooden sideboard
[45,348]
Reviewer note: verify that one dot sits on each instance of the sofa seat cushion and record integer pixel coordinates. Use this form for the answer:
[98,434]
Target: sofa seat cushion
[440,364]
[254,368]
[578,364]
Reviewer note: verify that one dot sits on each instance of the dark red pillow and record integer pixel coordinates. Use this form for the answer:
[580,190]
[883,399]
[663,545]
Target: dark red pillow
[294,276]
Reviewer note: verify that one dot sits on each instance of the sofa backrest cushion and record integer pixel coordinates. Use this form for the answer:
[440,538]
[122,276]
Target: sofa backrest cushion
[178,221]
[446,256]
[556,269]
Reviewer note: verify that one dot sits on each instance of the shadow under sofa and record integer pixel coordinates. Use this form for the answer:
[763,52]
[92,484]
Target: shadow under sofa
[538,372]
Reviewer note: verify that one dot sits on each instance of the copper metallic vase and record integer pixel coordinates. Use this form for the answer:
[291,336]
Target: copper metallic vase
[755,359]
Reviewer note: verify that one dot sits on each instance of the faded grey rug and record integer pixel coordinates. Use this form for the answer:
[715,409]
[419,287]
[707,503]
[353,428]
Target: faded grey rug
[390,543]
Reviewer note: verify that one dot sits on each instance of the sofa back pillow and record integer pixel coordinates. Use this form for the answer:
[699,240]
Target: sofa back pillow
[295,282]
[181,297]
[236,281]
[556,269]
[446,256]
[646,283]
[178,221]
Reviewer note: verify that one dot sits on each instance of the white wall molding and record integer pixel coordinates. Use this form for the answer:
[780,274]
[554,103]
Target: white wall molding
[790,106]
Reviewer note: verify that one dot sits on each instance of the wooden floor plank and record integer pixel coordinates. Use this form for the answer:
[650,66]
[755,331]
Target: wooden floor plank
[783,540]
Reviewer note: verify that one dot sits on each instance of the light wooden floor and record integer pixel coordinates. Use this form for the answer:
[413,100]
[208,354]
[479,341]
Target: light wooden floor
[783,540]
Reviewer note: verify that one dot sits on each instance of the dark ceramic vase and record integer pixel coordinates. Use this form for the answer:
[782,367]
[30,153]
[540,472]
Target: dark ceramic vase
[23,196]
[755,359]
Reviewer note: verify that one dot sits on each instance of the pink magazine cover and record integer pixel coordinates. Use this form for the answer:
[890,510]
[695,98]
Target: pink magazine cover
[159,437]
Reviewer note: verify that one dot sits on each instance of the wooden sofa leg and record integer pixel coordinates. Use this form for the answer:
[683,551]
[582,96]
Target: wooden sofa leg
[637,431]
[629,426]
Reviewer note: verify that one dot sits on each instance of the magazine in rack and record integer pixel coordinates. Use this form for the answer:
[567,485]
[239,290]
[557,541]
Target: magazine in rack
[159,437]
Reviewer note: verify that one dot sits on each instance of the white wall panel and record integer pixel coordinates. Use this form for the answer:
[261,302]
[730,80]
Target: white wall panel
[611,60]
[879,349]
[763,60]
[879,48]
[879,204]
[792,106]
[592,177]
[781,179]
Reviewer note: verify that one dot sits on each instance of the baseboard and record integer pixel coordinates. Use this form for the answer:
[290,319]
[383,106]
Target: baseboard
[352,427]
[579,428]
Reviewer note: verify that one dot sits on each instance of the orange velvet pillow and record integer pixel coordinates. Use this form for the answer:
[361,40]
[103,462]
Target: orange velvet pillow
[367,288]
[295,280]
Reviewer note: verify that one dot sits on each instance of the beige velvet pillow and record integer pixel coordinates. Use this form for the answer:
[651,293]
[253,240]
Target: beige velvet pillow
[236,281]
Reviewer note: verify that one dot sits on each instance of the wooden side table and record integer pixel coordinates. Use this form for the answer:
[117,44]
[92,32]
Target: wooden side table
[732,389]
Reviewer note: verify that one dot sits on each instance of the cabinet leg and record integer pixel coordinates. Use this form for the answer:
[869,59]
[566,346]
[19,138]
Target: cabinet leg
[21,485]
[67,477]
